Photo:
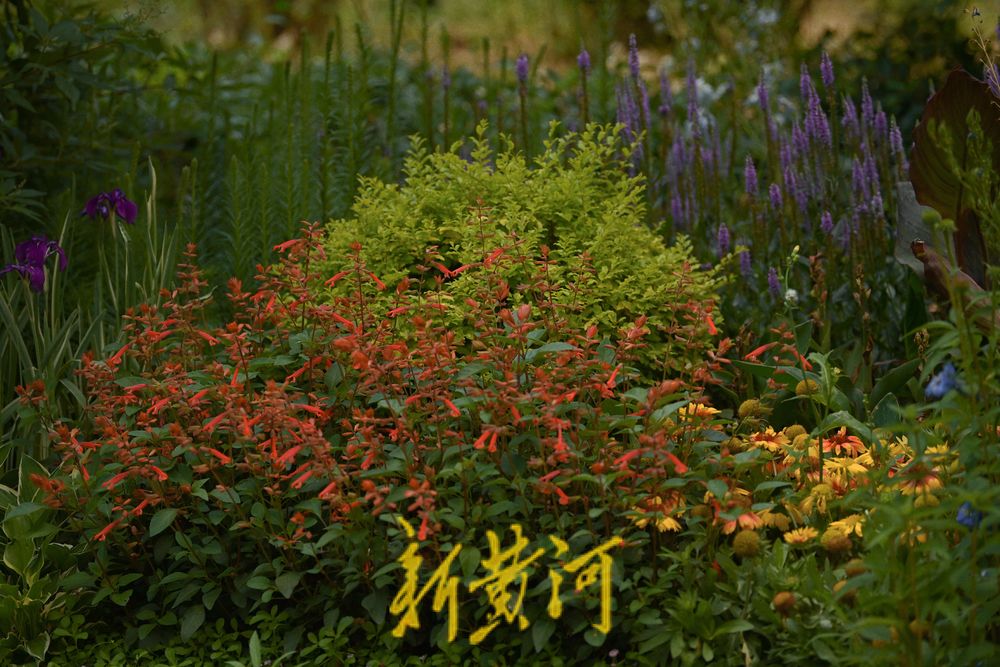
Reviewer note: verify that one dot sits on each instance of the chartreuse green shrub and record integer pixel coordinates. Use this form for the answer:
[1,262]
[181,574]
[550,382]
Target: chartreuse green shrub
[575,207]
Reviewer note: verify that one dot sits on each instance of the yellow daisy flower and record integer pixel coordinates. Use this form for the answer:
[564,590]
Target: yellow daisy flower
[801,535]
[850,524]
[769,439]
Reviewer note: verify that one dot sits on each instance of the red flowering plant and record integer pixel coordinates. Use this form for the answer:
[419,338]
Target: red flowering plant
[218,468]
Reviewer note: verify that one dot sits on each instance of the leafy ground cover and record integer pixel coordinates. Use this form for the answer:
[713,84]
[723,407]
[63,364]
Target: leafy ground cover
[595,367]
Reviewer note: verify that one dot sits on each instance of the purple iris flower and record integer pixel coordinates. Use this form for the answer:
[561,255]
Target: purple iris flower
[30,257]
[106,203]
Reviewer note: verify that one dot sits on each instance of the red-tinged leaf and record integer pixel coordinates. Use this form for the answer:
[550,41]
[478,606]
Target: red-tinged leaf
[297,484]
[548,477]
[113,361]
[752,356]
[159,405]
[338,276]
[210,426]
[481,440]
[611,380]
[627,456]
[113,482]
[207,336]
[288,456]
[282,247]
[219,455]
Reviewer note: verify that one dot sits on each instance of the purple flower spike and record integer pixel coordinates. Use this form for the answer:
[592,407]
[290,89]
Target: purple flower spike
[445,78]
[521,68]
[106,203]
[633,56]
[30,257]
[746,265]
[762,97]
[773,283]
[774,192]
[666,99]
[750,177]
[867,106]
[826,222]
[805,83]
[583,61]
[881,126]
[826,70]
[723,238]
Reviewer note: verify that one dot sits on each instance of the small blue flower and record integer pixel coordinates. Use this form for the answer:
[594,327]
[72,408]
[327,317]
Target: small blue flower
[945,380]
[967,516]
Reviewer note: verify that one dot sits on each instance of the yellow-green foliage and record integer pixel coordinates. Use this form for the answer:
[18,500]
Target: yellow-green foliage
[606,266]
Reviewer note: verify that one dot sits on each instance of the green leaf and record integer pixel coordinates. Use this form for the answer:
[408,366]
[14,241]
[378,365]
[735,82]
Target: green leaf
[735,625]
[38,647]
[18,554]
[541,632]
[287,582]
[771,484]
[255,657]
[718,488]
[886,412]
[893,381]
[259,583]
[193,619]
[841,418]
[377,602]
[161,521]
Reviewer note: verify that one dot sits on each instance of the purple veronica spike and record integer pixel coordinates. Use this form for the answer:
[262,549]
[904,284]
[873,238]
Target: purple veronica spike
[521,68]
[445,78]
[867,106]
[750,177]
[805,83]
[773,283]
[800,142]
[692,94]
[644,99]
[774,192]
[30,257]
[859,184]
[746,264]
[826,222]
[108,203]
[633,56]
[826,70]
[850,120]
[762,97]
[666,99]
[881,126]
[677,209]
[583,61]
[723,238]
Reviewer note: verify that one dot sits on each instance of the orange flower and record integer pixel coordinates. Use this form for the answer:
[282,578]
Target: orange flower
[850,445]
[769,439]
